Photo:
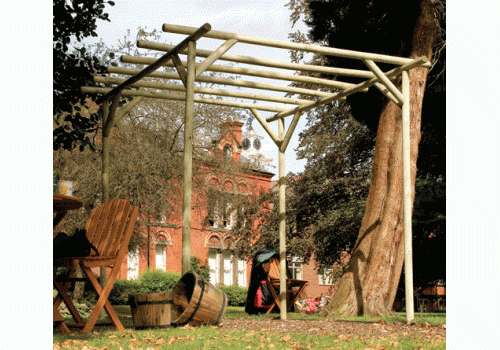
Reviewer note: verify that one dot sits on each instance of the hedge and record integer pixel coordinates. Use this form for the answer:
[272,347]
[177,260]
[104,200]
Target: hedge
[236,296]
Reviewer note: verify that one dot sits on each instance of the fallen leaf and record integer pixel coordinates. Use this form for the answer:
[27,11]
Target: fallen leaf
[251,333]
[286,338]
[343,337]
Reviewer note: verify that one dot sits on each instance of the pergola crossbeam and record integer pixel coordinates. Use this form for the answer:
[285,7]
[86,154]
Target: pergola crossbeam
[227,81]
[264,62]
[209,91]
[321,50]
[249,72]
[182,97]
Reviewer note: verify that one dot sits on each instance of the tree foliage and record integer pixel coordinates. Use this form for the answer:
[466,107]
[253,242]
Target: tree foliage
[73,67]
[146,155]
[387,28]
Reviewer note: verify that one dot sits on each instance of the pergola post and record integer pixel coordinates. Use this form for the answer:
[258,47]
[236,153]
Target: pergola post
[407,202]
[188,159]
[282,221]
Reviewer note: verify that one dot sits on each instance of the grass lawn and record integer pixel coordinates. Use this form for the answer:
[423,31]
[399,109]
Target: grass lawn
[241,331]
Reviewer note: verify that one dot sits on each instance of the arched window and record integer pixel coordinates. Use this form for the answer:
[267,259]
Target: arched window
[227,152]
[225,268]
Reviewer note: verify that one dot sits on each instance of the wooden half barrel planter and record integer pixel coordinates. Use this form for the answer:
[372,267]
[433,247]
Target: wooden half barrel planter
[193,301]
[151,310]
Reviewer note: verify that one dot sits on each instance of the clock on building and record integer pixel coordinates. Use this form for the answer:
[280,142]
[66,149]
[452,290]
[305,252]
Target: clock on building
[245,144]
[256,144]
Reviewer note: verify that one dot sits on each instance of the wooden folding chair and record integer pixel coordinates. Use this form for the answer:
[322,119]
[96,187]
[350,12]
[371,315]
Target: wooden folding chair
[109,229]
[293,286]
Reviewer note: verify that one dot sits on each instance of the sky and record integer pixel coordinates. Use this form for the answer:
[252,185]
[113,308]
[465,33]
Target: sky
[268,19]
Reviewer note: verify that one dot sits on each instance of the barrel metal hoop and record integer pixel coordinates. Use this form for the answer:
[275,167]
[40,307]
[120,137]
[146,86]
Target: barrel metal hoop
[202,284]
[223,307]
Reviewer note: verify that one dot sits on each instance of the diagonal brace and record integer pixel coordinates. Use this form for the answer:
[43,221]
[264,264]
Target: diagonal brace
[266,127]
[214,56]
[289,133]
[180,68]
[385,80]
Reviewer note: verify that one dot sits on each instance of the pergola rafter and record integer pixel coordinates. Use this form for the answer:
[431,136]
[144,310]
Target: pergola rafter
[189,72]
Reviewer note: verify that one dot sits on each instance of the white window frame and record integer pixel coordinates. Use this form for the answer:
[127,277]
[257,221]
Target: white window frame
[325,274]
[226,269]
[295,264]
[133,263]
[161,259]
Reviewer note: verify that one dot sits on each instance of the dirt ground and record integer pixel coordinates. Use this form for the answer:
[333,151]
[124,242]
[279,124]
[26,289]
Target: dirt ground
[349,329]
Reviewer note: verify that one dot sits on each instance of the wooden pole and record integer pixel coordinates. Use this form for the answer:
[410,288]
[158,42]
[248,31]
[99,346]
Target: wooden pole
[282,222]
[208,91]
[188,160]
[248,72]
[264,62]
[281,44]
[181,97]
[407,204]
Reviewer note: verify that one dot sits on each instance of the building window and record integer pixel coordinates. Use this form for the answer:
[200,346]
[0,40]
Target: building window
[226,269]
[325,276]
[221,210]
[133,263]
[227,152]
[295,267]
[161,257]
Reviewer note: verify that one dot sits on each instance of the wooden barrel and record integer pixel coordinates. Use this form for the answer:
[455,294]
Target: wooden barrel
[151,310]
[196,301]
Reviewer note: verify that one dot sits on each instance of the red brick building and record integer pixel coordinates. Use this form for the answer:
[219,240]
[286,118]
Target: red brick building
[211,242]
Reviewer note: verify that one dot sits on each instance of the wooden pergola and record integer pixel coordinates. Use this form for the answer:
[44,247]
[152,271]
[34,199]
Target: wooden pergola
[190,72]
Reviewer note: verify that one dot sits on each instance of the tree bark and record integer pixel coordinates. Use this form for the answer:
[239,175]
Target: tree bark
[369,284]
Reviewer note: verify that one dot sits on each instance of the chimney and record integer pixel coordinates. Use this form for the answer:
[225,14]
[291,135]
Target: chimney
[231,135]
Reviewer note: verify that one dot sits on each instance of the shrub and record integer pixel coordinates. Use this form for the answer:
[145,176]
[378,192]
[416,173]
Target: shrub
[200,268]
[158,281]
[122,289]
[236,296]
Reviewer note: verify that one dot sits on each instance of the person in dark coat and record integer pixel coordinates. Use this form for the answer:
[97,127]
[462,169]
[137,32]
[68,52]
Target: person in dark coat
[258,274]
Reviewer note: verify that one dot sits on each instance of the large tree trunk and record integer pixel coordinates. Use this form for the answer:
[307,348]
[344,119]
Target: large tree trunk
[369,284]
